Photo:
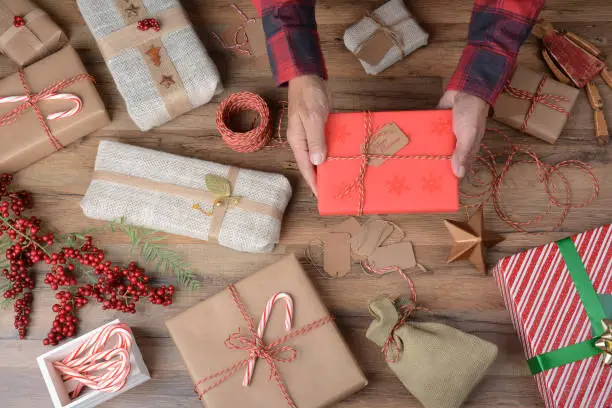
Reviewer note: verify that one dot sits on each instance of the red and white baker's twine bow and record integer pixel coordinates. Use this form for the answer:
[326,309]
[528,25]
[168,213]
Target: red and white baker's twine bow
[31,101]
[95,365]
[256,138]
[252,343]
[548,100]
[365,156]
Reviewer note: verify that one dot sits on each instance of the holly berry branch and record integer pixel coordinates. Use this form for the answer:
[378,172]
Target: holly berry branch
[71,260]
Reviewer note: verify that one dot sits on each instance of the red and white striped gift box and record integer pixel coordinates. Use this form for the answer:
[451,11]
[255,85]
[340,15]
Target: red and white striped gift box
[547,314]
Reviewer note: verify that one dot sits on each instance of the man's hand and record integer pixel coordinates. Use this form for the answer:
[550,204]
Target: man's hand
[469,124]
[309,105]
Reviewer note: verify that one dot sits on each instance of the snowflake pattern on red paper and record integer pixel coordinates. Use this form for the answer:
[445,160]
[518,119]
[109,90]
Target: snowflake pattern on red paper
[397,185]
[440,127]
[431,183]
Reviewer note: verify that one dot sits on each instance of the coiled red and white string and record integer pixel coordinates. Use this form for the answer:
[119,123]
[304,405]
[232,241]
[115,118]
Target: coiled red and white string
[263,322]
[256,138]
[96,366]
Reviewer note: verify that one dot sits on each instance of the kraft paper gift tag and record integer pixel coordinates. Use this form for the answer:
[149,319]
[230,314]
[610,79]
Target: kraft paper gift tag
[400,255]
[438,364]
[373,233]
[337,254]
[388,140]
[350,226]
[373,50]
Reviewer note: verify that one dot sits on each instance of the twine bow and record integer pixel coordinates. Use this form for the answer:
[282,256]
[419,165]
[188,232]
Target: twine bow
[605,342]
[548,100]
[392,349]
[96,366]
[252,342]
[388,31]
[31,100]
[365,156]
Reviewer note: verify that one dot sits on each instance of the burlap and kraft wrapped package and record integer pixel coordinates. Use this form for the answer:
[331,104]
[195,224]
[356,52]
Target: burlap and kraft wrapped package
[66,107]
[32,36]
[535,104]
[303,360]
[384,37]
[161,74]
[438,364]
[170,193]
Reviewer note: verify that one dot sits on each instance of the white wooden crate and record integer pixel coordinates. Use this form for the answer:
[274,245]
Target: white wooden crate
[59,391]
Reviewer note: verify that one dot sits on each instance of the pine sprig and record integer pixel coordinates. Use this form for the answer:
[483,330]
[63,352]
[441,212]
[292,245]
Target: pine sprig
[148,244]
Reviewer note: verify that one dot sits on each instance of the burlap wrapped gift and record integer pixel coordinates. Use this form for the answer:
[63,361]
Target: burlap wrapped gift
[38,37]
[159,190]
[535,104]
[160,74]
[438,364]
[384,37]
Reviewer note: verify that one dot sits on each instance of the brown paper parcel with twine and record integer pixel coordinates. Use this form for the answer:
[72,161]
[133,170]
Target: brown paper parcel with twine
[25,141]
[39,37]
[438,364]
[544,123]
[323,372]
[159,190]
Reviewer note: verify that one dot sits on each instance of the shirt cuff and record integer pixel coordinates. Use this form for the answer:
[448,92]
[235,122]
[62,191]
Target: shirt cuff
[482,72]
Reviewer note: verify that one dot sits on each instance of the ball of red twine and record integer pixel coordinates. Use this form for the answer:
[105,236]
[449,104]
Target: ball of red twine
[254,139]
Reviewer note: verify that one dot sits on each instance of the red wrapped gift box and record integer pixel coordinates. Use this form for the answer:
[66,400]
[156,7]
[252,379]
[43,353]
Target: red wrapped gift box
[551,311]
[418,179]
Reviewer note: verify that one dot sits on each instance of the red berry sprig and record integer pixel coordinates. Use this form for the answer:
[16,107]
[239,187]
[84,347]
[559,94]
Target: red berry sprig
[18,21]
[117,288]
[148,23]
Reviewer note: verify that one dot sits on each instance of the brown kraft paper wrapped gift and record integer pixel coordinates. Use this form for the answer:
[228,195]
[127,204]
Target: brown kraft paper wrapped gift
[39,37]
[33,143]
[323,371]
[535,104]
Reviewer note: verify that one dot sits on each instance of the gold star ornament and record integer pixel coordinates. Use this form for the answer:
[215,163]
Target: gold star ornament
[470,240]
[605,342]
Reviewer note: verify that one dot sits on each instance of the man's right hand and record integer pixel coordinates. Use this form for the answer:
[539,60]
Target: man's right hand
[309,105]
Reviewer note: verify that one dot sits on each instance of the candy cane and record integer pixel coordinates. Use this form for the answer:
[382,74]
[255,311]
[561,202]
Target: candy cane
[78,104]
[248,375]
[112,365]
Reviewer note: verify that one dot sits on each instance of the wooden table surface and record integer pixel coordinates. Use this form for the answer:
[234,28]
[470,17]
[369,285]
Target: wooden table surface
[456,293]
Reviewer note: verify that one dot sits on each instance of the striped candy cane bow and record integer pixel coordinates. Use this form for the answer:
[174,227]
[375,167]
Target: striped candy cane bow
[97,366]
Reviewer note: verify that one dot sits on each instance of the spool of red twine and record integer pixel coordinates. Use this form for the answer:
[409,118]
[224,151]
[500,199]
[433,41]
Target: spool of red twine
[254,139]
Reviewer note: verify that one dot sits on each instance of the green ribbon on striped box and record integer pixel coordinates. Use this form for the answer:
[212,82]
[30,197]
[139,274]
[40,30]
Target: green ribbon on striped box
[598,311]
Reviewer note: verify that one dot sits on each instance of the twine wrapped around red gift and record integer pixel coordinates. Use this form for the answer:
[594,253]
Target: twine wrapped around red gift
[548,100]
[31,100]
[253,344]
[365,156]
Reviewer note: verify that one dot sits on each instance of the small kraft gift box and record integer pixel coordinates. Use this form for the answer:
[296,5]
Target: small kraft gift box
[560,300]
[301,358]
[159,64]
[535,104]
[388,162]
[27,33]
[237,208]
[384,37]
[93,368]
[49,104]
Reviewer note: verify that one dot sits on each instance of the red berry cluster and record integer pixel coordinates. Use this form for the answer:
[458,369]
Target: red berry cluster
[147,23]
[115,287]
[18,21]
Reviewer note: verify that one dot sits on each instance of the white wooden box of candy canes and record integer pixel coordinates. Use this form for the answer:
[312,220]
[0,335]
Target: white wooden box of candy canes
[93,368]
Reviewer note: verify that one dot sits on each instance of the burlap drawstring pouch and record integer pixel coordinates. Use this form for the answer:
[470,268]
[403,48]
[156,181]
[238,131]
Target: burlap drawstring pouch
[384,37]
[438,364]
[159,64]
[237,208]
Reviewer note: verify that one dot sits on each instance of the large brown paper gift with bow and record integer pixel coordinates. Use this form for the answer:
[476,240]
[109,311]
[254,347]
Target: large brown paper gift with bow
[27,137]
[30,39]
[320,369]
[438,364]
[535,104]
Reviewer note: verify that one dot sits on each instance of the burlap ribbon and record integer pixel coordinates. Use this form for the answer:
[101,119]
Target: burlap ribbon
[253,344]
[387,29]
[165,75]
[549,100]
[197,195]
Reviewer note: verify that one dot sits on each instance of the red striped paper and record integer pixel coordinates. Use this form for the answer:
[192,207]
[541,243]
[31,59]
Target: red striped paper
[547,314]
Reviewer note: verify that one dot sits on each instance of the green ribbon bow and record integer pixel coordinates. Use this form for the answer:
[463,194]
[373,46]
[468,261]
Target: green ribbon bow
[593,304]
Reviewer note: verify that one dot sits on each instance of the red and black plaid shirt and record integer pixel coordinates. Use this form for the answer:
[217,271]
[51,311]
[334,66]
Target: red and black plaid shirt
[497,30]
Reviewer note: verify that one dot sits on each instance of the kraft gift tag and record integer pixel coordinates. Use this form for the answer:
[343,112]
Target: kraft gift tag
[373,233]
[389,139]
[374,49]
[337,254]
[400,255]
[350,226]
